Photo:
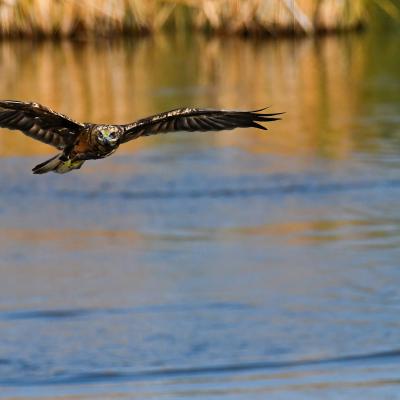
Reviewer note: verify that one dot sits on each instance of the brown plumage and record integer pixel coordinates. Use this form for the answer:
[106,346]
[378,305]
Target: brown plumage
[85,141]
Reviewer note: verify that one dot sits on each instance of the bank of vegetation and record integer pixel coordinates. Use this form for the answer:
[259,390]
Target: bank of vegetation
[111,17]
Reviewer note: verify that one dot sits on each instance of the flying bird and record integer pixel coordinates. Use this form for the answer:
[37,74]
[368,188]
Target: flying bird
[80,142]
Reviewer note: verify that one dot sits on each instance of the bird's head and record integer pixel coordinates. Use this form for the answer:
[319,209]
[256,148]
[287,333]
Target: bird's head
[108,135]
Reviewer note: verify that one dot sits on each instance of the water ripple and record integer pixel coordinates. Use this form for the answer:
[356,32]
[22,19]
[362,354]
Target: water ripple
[293,189]
[56,314]
[111,376]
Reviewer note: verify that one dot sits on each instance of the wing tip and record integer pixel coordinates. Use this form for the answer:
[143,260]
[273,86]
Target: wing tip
[258,126]
[266,117]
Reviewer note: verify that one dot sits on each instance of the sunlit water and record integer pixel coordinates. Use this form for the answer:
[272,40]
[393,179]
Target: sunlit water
[235,265]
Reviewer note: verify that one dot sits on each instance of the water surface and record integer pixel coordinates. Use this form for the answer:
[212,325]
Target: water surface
[235,265]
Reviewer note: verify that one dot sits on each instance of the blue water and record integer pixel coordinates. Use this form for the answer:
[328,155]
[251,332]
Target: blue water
[207,266]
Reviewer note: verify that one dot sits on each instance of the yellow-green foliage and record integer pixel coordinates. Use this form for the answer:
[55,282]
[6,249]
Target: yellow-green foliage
[66,17]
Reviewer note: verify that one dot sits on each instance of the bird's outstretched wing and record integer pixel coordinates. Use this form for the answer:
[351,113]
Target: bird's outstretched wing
[39,122]
[193,119]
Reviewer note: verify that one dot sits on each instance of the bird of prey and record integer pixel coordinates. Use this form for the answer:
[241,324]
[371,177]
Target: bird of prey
[79,142]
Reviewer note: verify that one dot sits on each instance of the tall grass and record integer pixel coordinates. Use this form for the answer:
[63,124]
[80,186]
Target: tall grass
[72,17]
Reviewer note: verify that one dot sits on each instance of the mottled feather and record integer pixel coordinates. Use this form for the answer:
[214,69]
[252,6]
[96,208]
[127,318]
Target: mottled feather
[193,119]
[39,122]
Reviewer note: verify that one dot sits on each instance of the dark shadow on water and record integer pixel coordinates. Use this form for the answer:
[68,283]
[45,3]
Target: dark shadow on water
[80,313]
[110,376]
[300,188]
[242,192]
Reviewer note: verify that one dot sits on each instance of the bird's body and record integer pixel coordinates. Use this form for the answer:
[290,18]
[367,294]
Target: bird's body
[79,142]
[87,146]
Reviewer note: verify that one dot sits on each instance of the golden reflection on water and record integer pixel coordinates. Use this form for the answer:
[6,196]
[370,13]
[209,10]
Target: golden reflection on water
[315,82]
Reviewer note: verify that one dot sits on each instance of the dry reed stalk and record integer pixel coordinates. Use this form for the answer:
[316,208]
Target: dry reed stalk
[105,17]
[278,15]
[68,17]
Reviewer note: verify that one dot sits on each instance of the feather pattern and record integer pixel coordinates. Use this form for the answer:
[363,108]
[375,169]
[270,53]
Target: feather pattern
[194,119]
[39,122]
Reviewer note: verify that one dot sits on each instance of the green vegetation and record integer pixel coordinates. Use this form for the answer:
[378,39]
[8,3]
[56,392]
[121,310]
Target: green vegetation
[108,17]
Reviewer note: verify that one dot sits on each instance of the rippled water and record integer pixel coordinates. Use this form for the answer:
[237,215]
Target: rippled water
[235,265]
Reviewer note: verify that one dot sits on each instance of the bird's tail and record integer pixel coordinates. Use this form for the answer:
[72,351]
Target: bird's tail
[57,164]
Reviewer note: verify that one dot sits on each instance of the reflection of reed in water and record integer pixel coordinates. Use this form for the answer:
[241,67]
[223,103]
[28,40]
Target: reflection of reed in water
[49,17]
[316,83]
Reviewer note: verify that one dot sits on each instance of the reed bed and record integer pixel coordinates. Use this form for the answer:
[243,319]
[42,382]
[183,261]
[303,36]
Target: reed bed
[110,17]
